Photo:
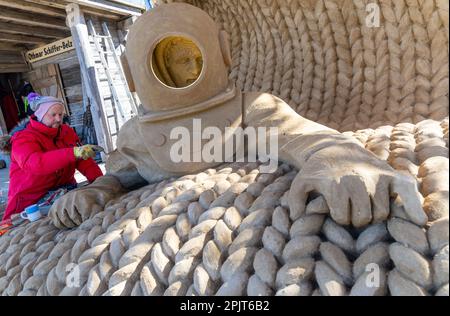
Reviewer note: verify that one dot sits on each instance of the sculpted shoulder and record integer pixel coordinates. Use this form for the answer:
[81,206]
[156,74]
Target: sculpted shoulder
[129,135]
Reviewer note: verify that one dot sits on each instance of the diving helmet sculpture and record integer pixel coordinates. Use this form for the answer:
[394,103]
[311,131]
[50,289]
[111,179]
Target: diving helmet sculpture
[177,60]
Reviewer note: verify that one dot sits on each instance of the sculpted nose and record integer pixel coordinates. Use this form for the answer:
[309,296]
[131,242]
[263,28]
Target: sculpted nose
[193,68]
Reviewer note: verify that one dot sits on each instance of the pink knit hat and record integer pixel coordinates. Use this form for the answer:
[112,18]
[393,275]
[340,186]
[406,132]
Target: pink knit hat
[41,104]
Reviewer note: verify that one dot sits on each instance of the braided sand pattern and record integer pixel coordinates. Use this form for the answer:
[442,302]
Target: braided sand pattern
[322,58]
[228,232]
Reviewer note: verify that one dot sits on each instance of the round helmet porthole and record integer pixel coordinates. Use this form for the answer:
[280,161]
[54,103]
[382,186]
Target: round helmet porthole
[177,62]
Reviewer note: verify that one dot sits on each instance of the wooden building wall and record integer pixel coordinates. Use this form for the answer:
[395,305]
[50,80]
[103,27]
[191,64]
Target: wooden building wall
[71,83]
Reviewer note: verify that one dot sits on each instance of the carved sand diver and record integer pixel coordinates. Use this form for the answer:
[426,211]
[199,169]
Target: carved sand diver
[178,64]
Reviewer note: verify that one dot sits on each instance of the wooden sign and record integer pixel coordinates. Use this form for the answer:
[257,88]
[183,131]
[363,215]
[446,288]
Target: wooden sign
[49,50]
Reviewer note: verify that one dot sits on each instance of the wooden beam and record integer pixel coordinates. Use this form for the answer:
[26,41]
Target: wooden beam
[7,68]
[33,30]
[33,8]
[10,15]
[130,4]
[48,3]
[109,6]
[12,47]
[11,58]
[61,4]
[17,38]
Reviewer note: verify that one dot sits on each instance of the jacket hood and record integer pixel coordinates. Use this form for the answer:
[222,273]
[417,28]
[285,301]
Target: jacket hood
[5,141]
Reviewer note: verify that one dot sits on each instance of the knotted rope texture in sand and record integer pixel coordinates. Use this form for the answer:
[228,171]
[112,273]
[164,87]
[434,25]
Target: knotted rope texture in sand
[228,232]
[324,60]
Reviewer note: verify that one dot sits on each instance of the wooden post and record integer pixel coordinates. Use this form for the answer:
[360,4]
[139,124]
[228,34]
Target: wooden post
[61,87]
[3,129]
[80,35]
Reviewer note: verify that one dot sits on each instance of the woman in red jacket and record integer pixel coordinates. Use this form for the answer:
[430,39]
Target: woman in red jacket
[44,156]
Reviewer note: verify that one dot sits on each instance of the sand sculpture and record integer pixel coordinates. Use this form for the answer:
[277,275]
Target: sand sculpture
[229,229]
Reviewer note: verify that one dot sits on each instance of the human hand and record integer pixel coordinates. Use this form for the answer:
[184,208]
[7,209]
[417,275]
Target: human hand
[86,151]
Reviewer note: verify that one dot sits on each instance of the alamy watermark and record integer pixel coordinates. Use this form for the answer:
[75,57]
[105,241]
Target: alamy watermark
[373,16]
[73,275]
[373,275]
[212,145]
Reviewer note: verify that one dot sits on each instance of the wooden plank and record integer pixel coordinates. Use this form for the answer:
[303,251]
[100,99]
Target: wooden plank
[74,99]
[33,30]
[3,129]
[11,58]
[10,15]
[61,4]
[13,47]
[72,79]
[109,6]
[130,4]
[43,83]
[9,68]
[18,38]
[75,90]
[38,73]
[70,62]
[80,36]
[48,3]
[51,70]
[61,92]
[33,8]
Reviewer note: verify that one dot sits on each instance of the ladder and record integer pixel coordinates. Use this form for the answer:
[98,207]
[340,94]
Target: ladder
[118,102]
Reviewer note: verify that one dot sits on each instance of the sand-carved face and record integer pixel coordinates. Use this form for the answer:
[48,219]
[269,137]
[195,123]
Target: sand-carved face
[177,62]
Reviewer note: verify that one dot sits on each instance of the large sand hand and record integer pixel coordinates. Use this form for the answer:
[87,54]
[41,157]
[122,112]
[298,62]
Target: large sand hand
[356,185]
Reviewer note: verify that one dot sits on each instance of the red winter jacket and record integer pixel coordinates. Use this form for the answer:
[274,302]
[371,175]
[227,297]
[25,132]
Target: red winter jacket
[42,159]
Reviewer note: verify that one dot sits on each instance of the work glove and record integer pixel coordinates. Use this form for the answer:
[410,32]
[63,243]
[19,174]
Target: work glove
[78,205]
[86,151]
[356,185]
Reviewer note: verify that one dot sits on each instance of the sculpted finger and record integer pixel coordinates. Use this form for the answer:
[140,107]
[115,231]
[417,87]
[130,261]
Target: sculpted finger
[82,200]
[361,211]
[338,201]
[75,216]
[298,195]
[53,214]
[406,188]
[64,217]
[57,209]
[84,204]
[380,200]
